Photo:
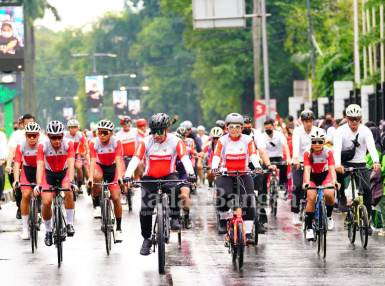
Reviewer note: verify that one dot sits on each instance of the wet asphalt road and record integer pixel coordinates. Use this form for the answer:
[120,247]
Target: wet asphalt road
[281,258]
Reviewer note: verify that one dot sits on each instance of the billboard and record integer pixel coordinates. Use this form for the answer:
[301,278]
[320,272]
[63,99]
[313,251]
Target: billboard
[68,113]
[94,91]
[134,106]
[11,38]
[10,2]
[210,14]
[119,99]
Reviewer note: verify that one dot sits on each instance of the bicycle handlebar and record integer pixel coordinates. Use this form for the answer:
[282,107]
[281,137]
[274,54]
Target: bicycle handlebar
[237,173]
[353,169]
[321,187]
[159,181]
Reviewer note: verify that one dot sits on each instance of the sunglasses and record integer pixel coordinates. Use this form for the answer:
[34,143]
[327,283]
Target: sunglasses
[53,138]
[319,142]
[103,132]
[158,132]
[235,126]
[356,119]
[32,136]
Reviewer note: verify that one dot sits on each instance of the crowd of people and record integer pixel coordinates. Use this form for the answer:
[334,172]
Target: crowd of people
[305,152]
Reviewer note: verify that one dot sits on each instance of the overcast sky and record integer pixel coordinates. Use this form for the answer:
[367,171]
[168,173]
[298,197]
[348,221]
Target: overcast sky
[77,13]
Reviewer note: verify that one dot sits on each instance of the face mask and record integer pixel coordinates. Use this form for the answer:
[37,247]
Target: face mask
[246,131]
[269,132]
[328,121]
[7,34]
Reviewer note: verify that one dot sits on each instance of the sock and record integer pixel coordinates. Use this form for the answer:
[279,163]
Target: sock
[309,220]
[70,216]
[248,226]
[118,223]
[329,210]
[95,202]
[48,225]
[24,219]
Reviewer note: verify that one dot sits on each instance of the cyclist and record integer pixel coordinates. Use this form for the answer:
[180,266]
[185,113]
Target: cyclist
[128,139]
[16,137]
[160,151]
[351,142]
[233,152]
[107,166]
[55,166]
[141,128]
[79,141]
[301,143]
[182,174]
[221,124]
[319,170]
[276,146]
[260,179]
[201,132]
[208,149]
[25,161]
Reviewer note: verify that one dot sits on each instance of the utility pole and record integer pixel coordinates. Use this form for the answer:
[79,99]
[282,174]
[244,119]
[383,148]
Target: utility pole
[265,58]
[256,28]
[357,72]
[313,48]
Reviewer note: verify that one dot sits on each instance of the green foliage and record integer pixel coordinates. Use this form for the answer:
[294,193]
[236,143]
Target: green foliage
[200,75]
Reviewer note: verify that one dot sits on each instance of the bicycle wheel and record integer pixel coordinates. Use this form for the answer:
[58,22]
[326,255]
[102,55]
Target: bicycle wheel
[58,235]
[106,224]
[160,238]
[273,198]
[32,223]
[351,226]
[240,244]
[364,226]
[255,230]
[181,224]
[323,230]
[129,200]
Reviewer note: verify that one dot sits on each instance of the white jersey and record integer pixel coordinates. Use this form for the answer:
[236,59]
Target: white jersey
[3,146]
[343,141]
[274,144]
[17,137]
[204,138]
[301,142]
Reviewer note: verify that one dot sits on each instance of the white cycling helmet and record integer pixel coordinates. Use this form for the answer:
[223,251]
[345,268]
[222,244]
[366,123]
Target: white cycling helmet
[105,124]
[32,127]
[234,118]
[318,134]
[181,130]
[187,124]
[201,128]
[55,127]
[354,110]
[73,123]
[216,132]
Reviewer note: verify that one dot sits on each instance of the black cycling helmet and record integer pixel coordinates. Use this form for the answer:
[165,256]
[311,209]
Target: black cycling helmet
[246,119]
[307,115]
[220,123]
[159,121]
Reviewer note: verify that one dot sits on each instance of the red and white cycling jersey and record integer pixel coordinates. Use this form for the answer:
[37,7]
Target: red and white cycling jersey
[129,141]
[160,157]
[235,153]
[106,154]
[78,140]
[55,160]
[190,147]
[26,154]
[318,161]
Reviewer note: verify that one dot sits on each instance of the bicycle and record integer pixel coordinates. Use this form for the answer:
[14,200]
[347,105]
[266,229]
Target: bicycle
[320,222]
[59,223]
[161,229]
[273,188]
[108,215]
[357,215]
[235,238]
[34,221]
[129,193]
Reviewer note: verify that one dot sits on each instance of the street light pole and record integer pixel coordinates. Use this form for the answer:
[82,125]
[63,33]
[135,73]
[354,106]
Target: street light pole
[93,57]
[265,58]
[357,72]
